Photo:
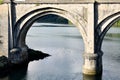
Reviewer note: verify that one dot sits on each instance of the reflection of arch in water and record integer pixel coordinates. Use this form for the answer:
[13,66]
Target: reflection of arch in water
[103,28]
[24,23]
[90,77]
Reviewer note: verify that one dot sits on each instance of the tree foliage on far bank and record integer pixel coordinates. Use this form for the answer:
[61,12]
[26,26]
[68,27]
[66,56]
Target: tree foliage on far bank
[53,19]
[117,24]
[1,1]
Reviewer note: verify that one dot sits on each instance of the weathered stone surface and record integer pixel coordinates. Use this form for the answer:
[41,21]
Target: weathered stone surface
[104,10]
[4,29]
[92,64]
[64,1]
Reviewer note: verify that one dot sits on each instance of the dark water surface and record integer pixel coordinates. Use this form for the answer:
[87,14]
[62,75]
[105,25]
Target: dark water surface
[66,47]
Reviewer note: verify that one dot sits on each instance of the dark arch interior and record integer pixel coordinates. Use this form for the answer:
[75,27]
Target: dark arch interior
[52,19]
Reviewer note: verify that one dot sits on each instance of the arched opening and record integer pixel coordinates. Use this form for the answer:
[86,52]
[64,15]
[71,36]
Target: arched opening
[25,22]
[111,49]
[62,41]
[23,25]
[103,28]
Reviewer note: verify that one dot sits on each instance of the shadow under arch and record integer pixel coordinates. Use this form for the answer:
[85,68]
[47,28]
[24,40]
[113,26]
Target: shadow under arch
[21,32]
[101,33]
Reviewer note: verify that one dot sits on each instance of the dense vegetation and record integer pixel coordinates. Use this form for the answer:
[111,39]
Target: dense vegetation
[117,24]
[57,19]
[52,19]
[1,1]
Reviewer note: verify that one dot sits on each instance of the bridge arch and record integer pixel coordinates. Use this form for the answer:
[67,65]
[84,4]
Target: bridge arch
[103,28]
[24,23]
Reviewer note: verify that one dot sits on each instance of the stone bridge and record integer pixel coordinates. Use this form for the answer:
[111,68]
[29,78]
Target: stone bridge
[93,18]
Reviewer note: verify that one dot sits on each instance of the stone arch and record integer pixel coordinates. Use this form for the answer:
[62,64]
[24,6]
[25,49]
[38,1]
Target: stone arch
[103,28]
[25,22]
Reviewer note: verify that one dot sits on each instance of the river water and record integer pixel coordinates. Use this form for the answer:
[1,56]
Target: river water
[66,47]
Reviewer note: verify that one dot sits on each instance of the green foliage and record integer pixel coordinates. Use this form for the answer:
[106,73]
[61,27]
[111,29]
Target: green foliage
[69,22]
[117,24]
[53,19]
[1,1]
[37,4]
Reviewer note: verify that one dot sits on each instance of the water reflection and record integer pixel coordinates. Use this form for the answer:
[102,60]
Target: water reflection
[97,77]
[115,35]
[4,78]
[18,74]
[22,74]
[66,47]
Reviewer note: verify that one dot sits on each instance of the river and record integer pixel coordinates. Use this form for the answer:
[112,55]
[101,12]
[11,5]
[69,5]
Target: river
[66,47]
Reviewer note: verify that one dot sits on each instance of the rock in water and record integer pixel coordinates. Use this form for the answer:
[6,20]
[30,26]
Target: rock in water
[36,55]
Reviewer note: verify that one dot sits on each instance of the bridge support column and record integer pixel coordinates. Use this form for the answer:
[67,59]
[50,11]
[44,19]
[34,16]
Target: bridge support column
[92,58]
[18,55]
[92,63]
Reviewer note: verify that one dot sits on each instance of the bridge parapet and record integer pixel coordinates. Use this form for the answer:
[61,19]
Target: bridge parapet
[63,1]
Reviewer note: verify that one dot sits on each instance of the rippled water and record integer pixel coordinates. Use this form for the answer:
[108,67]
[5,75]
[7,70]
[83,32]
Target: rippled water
[66,47]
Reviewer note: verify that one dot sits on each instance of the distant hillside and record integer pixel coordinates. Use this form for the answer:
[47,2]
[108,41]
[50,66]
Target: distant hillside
[53,19]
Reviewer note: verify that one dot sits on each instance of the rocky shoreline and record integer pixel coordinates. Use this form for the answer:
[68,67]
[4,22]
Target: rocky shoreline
[6,66]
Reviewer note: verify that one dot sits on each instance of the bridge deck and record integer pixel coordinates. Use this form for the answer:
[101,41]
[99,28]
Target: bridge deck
[63,1]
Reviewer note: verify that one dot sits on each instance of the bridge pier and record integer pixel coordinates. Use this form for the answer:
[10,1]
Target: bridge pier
[18,55]
[92,63]
[92,57]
